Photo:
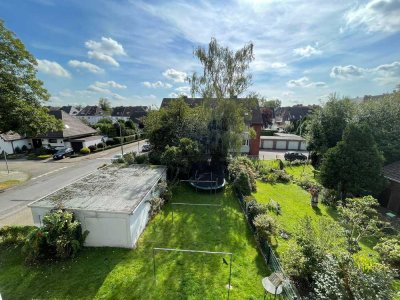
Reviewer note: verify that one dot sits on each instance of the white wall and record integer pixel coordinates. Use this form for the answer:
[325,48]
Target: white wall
[281,145]
[293,145]
[93,142]
[7,145]
[59,143]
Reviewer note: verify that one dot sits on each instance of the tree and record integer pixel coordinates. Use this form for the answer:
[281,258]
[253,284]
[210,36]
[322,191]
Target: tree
[21,93]
[275,103]
[168,125]
[326,125]
[224,71]
[360,218]
[105,105]
[383,116]
[354,165]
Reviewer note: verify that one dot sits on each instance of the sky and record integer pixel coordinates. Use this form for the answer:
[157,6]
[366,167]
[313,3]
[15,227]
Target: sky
[138,52]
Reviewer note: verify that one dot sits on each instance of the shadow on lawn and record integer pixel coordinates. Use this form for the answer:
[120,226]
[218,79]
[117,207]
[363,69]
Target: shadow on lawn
[189,275]
[79,277]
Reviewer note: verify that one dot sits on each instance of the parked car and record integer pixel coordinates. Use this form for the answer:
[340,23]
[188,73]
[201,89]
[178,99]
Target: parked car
[117,157]
[63,153]
[146,148]
[291,156]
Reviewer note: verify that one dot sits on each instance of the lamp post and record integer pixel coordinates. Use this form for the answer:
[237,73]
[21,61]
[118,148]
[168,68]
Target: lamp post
[5,158]
[120,137]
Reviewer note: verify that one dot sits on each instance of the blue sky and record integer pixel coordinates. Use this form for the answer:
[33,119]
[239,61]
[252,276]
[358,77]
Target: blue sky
[137,52]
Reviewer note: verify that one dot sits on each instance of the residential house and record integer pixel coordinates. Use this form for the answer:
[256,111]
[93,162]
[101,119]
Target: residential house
[113,204]
[392,195]
[284,116]
[254,120]
[9,141]
[92,114]
[134,113]
[75,134]
[71,110]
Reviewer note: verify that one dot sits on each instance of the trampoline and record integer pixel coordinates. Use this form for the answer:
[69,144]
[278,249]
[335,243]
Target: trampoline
[208,180]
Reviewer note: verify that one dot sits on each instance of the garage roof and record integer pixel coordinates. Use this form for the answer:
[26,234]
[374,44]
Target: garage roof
[111,189]
[287,137]
[392,171]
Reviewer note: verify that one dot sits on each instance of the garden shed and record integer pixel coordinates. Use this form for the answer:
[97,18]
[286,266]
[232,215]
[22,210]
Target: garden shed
[112,203]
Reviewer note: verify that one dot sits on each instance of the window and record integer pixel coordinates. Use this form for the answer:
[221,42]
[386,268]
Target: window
[244,142]
[52,141]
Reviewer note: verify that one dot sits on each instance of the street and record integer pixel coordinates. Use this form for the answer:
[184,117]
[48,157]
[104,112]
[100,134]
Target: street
[49,176]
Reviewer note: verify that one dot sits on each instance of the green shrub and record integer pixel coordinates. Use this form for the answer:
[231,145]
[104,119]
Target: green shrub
[254,209]
[129,158]
[274,206]
[156,205]
[24,148]
[389,250]
[45,156]
[297,162]
[100,145]
[307,184]
[329,197]
[265,226]
[281,176]
[42,151]
[165,191]
[242,174]
[141,159]
[155,157]
[60,237]
[92,148]
[14,235]
[242,184]
[85,150]
[130,138]
[110,142]
[17,150]
[117,140]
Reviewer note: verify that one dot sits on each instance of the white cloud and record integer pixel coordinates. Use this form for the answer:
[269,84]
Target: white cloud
[288,94]
[183,89]
[346,72]
[52,68]
[97,89]
[157,84]
[376,15]
[107,46]
[384,74]
[103,57]
[175,75]
[278,65]
[110,84]
[105,50]
[85,65]
[304,82]
[306,51]
[173,95]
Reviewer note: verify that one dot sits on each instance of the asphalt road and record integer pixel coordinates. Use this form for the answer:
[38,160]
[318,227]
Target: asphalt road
[49,176]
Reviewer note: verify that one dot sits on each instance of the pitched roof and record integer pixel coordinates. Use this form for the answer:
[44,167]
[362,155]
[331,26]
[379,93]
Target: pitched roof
[293,113]
[129,111]
[71,110]
[392,171]
[256,117]
[73,127]
[91,110]
[11,136]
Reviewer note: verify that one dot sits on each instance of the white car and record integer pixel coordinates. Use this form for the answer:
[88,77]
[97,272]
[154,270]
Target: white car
[117,157]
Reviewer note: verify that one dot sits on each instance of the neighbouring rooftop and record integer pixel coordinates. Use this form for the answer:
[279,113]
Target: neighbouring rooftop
[392,171]
[113,189]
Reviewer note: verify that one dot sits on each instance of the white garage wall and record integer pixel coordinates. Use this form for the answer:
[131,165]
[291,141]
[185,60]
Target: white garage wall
[7,146]
[138,220]
[293,145]
[280,144]
[266,144]
[303,145]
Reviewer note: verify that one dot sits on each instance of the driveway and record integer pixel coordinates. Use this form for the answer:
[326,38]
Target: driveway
[49,176]
[276,154]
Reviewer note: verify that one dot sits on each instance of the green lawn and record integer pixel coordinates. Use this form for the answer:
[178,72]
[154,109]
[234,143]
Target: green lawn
[305,172]
[109,273]
[295,204]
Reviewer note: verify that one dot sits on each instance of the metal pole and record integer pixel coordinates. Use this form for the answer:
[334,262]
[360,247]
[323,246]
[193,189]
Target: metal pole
[120,136]
[5,158]
[154,266]
[230,275]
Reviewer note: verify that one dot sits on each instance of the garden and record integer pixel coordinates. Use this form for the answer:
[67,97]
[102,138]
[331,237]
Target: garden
[113,273]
